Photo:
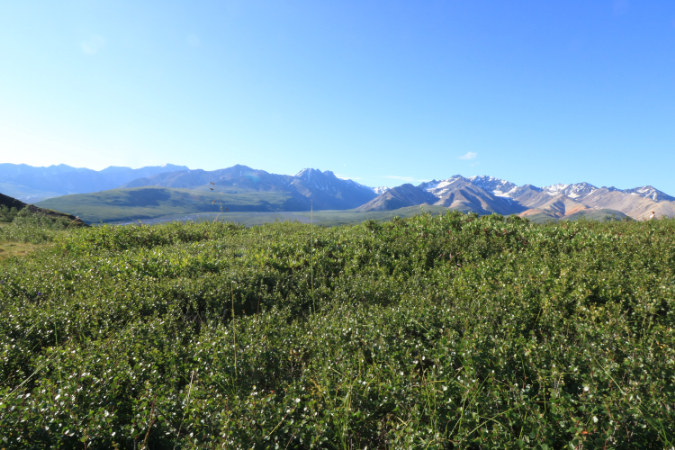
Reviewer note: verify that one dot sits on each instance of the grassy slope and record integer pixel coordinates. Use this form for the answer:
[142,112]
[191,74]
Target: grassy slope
[430,332]
[10,249]
[598,214]
[28,234]
[152,202]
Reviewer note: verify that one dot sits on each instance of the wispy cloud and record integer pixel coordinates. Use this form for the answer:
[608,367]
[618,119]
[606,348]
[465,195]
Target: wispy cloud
[92,45]
[408,179]
[469,155]
[345,177]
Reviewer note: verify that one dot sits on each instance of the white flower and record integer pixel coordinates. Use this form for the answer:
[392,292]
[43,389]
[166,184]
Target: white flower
[585,388]
[445,388]
[595,419]
[297,400]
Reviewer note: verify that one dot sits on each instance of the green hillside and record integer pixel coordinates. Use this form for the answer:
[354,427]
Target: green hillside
[601,215]
[433,332]
[156,205]
[598,214]
[131,204]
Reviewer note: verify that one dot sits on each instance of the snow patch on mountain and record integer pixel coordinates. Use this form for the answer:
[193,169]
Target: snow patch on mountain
[499,187]
[578,190]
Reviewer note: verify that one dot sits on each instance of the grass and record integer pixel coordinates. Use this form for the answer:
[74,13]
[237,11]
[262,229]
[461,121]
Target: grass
[431,332]
[28,233]
[18,249]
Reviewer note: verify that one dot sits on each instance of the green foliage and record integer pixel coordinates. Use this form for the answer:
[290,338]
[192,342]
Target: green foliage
[33,228]
[7,214]
[454,331]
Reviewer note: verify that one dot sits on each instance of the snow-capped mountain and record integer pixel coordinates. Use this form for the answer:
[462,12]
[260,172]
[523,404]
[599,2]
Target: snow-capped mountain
[486,194]
[651,193]
[578,190]
[438,188]
[380,189]
[498,187]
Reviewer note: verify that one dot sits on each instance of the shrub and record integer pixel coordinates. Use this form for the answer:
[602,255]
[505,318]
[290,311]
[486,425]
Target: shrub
[455,331]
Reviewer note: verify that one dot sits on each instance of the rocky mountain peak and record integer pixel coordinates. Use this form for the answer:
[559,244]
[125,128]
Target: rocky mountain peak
[651,193]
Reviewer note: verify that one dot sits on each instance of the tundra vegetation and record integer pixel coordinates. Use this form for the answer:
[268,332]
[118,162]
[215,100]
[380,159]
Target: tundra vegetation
[433,332]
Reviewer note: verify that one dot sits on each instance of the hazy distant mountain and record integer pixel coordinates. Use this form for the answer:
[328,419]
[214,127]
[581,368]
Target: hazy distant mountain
[238,188]
[326,191]
[239,176]
[31,184]
[310,187]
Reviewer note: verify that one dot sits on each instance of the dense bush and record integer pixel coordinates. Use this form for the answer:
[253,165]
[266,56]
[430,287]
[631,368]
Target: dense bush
[8,214]
[34,228]
[432,332]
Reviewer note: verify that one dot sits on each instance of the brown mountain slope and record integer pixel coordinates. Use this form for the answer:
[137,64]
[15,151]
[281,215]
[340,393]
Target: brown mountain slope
[637,207]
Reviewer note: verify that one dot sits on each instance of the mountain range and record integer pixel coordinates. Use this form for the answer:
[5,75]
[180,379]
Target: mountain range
[120,193]
[32,184]
[238,188]
[486,195]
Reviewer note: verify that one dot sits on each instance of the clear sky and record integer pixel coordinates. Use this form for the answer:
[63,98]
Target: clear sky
[540,92]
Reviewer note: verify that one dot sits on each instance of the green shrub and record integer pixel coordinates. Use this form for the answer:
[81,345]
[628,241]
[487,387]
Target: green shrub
[33,228]
[7,214]
[455,331]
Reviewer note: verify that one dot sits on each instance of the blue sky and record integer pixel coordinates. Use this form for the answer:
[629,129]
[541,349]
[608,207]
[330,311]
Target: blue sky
[382,92]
